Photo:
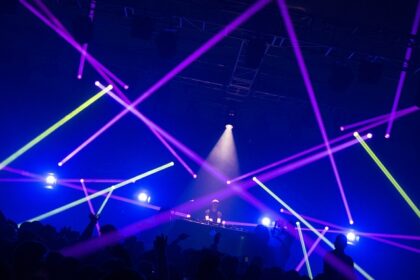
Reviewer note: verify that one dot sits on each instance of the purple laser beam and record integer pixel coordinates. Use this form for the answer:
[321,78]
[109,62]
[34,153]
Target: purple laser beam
[399,114]
[65,34]
[310,251]
[163,141]
[364,122]
[385,241]
[376,237]
[403,74]
[82,61]
[92,211]
[295,165]
[180,67]
[25,173]
[194,156]
[93,245]
[306,79]
[61,31]
[92,7]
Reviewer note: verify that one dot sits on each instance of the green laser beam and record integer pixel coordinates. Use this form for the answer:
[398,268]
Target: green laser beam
[53,128]
[104,203]
[99,193]
[388,174]
[301,219]
[305,254]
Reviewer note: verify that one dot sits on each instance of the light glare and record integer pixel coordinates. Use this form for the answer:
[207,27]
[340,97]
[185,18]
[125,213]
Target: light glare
[51,179]
[143,197]
[265,221]
[351,237]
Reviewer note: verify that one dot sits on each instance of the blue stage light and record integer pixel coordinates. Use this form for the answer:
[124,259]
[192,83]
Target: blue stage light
[352,237]
[266,221]
[144,197]
[50,181]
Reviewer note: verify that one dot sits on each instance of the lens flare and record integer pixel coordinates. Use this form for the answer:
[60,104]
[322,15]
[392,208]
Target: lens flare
[51,179]
[266,221]
[143,197]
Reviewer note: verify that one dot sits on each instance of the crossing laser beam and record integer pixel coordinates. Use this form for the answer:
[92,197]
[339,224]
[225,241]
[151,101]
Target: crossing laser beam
[54,127]
[99,193]
[388,174]
[305,254]
[303,221]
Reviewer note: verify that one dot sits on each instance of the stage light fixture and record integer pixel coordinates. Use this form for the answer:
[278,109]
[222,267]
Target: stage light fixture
[352,238]
[387,135]
[229,126]
[51,179]
[369,135]
[143,197]
[99,193]
[266,221]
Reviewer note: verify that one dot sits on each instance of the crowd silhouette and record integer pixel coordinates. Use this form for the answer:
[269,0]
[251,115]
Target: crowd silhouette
[32,252]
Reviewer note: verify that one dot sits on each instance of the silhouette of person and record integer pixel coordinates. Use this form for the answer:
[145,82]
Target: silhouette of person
[338,265]
[213,214]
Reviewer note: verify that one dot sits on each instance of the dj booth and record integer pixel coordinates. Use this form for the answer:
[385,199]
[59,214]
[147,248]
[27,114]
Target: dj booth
[273,245]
